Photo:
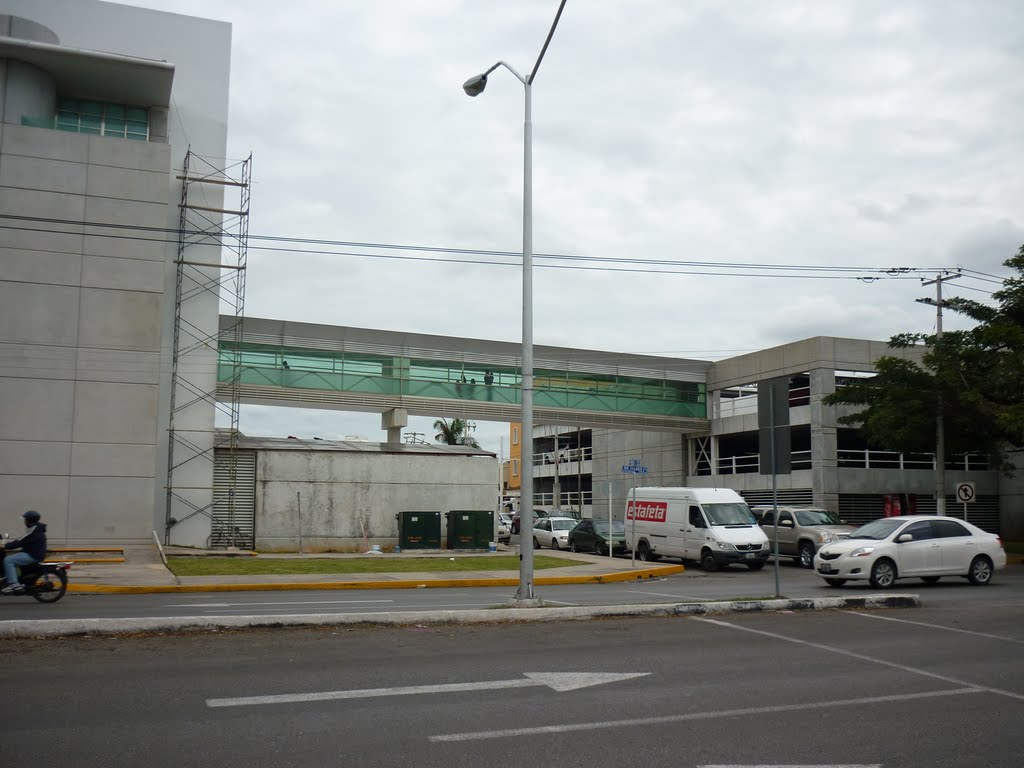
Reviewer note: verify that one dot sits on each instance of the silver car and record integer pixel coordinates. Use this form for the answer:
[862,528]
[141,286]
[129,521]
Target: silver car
[801,531]
[553,532]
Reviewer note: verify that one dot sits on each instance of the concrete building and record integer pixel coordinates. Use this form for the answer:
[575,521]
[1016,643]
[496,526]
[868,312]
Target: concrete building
[99,103]
[337,496]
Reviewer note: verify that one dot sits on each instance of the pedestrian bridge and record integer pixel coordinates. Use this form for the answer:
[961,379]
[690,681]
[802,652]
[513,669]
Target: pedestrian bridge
[284,363]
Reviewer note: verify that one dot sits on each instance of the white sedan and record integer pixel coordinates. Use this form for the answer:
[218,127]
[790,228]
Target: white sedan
[553,532]
[927,547]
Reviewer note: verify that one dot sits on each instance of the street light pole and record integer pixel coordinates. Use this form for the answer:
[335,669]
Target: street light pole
[474,87]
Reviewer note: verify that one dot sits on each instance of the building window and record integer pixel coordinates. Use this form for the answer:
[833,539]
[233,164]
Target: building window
[515,435]
[98,118]
[515,467]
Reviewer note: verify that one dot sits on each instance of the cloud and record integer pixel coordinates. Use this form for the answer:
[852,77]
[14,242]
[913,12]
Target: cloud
[853,134]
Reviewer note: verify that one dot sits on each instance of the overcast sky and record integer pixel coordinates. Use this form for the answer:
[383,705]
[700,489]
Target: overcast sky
[823,134]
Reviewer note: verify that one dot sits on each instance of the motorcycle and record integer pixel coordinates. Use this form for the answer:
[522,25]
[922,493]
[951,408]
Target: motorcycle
[46,582]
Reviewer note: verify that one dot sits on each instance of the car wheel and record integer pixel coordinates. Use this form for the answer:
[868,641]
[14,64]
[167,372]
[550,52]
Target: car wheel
[930,579]
[883,573]
[572,545]
[708,562]
[980,573]
[643,552]
[835,582]
[755,566]
[806,554]
[536,544]
[554,544]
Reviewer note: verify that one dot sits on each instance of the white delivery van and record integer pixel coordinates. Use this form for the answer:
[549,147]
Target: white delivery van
[713,526]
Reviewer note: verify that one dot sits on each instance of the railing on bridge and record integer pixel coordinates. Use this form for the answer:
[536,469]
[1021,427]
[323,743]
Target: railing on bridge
[396,376]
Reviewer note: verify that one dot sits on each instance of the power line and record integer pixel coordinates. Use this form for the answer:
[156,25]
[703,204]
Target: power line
[581,263]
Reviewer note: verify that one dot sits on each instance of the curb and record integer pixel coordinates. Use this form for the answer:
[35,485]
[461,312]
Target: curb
[497,615]
[639,574]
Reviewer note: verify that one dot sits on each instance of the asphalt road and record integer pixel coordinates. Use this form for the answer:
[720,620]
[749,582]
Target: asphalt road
[941,686]
[693,585]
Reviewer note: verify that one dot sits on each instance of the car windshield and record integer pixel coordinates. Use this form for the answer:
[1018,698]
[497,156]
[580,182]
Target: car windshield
[877,529]
[817,517]
[601,526]
[562,525]
[731,513]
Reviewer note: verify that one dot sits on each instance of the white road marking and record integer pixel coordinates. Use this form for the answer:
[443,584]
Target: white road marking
[559,681]
[863,657]
[276,602]
[816,765]
[938,626]
[665,719]
[663,594]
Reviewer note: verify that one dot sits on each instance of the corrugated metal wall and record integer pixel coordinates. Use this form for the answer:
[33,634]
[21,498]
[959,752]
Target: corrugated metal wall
[857,509]
[236,527]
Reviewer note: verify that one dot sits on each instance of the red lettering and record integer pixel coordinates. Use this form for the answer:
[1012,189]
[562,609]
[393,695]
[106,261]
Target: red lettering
[647,511]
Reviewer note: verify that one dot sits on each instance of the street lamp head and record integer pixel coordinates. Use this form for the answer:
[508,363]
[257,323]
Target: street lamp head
[475,85]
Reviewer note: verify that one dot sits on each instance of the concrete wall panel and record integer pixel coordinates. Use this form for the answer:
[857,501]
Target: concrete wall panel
[36,409]
[122,274]
[128,184]
[152,246]
[38,314]
[43,174]
[115,413]
[112,460]
[107,210]
[25,361]
[118,366]
[120,319]
[110,508]
[46,495]
[35,266]
[54,145]
[28,457]
[127,153]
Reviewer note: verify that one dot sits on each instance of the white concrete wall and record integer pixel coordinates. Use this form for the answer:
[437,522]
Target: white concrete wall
[313,501]
[86,316]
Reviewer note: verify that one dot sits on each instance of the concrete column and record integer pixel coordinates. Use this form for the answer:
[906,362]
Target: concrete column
[824,441]
[393,421]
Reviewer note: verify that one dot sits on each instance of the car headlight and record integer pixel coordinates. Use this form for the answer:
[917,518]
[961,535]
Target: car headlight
[766,545]
[726,546]
[862,551]
[824,537]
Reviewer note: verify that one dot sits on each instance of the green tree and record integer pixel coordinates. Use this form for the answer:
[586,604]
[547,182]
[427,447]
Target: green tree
[979,374]
[454,433]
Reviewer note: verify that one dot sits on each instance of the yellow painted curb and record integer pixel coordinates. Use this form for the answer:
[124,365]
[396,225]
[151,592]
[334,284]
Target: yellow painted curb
[85,560]
[607,578]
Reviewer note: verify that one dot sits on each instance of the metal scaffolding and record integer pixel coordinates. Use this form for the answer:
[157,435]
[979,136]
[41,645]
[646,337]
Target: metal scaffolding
[210,281]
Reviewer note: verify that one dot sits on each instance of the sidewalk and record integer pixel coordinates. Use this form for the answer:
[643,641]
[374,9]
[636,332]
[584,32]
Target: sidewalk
[144,572]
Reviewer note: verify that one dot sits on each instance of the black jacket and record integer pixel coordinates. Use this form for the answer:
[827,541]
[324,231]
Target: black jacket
[33,542]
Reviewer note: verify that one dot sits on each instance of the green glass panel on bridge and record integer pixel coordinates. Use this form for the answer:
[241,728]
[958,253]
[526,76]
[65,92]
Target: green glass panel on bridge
[286,367]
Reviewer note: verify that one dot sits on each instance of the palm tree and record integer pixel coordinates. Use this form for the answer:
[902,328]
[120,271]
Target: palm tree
[455,433]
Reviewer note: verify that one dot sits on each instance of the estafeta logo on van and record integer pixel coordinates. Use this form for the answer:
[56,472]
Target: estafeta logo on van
[649,511]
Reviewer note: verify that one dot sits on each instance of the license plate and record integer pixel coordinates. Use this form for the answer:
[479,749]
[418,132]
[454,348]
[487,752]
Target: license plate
[751,555]
[826,569]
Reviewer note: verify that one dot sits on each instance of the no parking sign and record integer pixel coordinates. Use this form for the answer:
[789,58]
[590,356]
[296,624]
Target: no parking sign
[965,493]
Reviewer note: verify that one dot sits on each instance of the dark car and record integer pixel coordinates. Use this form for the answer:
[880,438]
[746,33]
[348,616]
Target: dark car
[592,536]
[536,513]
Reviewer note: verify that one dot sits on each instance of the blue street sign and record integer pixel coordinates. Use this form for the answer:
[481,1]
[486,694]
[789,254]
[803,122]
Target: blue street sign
[634,468]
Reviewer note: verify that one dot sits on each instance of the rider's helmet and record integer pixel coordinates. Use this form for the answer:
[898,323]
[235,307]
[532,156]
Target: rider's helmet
[31,518]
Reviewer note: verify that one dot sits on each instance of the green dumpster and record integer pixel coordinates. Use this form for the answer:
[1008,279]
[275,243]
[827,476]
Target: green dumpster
[470,528]
[419,530]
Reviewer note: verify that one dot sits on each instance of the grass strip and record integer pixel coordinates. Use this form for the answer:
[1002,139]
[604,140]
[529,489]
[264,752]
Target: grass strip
[247,566]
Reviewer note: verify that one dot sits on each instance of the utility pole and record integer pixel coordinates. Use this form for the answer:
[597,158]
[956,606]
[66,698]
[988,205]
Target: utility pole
[940,437]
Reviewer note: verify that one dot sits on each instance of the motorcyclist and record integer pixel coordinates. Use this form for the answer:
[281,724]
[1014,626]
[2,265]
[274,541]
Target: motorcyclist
[33,550]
